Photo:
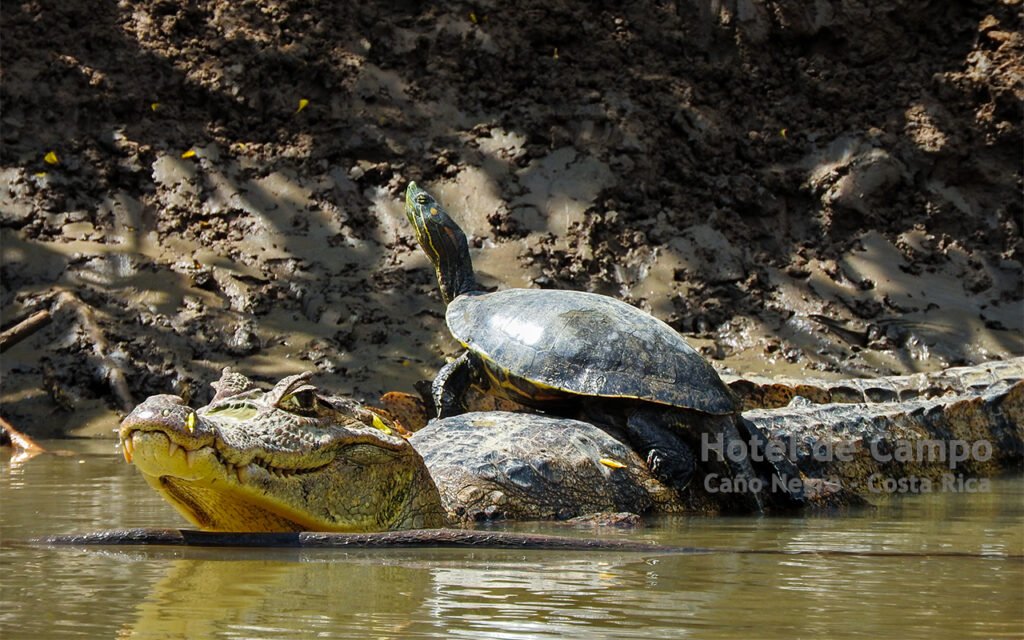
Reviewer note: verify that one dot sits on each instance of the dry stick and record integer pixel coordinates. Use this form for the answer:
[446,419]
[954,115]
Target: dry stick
[19,440]
[24,329]
[115,377]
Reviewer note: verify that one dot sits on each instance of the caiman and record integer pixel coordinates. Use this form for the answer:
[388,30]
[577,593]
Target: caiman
[295,458]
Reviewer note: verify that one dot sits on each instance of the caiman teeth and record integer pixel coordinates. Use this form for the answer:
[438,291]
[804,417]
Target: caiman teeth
[172,449]
[242,471]
[190,457]
[127,448]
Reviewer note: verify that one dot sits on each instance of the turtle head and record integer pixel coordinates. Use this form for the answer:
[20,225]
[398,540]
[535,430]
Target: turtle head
[443,242]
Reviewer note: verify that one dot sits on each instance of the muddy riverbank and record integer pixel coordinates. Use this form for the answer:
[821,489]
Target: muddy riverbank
[829,190]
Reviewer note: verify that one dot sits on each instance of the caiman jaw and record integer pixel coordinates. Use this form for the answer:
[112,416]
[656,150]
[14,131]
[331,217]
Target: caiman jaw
[178,457]
[159,455]
[211,492]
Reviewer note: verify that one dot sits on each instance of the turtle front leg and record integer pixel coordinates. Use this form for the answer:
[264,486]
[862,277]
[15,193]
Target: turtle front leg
[450,386]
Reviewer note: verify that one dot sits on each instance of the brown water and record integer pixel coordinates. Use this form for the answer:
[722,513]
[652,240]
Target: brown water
[132,592]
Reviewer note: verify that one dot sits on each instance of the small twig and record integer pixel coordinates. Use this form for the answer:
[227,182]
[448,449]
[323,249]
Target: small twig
[24,329]
[19,440]
[112,372]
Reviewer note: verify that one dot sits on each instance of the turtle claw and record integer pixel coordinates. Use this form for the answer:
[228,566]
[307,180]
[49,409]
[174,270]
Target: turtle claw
[675,470]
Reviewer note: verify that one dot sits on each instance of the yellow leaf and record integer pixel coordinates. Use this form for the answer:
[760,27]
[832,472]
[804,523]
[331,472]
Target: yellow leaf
[40,174]
[555,56]
[154,106]
[302,105]
[472,17]
[379,424]
[51,158]
[614,464]
[782,132]
[188,154]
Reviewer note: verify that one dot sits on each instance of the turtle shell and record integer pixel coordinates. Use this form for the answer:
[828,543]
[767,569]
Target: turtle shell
[587,344]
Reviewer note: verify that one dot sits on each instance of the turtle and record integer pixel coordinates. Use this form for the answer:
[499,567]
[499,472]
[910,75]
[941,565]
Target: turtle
[595,358]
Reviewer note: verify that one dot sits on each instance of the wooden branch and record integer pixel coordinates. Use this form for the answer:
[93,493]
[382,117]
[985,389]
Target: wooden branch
[24,329]
[19,440]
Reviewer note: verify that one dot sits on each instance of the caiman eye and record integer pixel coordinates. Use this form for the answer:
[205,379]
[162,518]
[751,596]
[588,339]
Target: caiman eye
[300,402]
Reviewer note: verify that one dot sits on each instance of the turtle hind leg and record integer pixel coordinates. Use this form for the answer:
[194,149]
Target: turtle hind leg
[786,485]
[654,435]
[660,434]
[725,453]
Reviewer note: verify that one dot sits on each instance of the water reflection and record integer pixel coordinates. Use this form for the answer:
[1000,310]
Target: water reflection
[276,597]
[291,593]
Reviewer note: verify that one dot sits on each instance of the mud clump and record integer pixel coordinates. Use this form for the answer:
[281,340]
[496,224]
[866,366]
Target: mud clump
[830,186]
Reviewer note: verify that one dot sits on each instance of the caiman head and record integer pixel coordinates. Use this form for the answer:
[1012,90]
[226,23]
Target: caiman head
[288,459]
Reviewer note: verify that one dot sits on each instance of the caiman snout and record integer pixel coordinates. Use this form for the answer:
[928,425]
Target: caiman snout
[167,414]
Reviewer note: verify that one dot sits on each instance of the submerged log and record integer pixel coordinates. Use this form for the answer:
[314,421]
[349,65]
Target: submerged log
[454,539]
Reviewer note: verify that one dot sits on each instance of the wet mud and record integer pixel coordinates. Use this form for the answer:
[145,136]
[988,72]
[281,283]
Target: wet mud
[826,189]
